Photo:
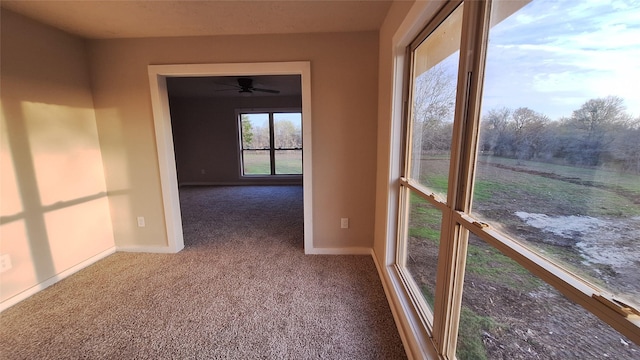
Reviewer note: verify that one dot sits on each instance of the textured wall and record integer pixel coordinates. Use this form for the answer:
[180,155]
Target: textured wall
[344,80]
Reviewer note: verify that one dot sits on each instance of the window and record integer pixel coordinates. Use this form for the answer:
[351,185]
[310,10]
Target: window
[271,143]
[521,179]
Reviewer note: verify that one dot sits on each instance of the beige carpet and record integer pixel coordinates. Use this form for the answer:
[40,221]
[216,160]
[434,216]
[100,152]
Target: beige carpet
[241,289]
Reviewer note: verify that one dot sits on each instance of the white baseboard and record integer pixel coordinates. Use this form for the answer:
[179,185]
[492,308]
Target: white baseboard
[147,249]
[339,251]
[54,279]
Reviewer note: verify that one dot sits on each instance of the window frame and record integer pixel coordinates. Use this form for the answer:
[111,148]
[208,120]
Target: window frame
[441,325]
[272,149]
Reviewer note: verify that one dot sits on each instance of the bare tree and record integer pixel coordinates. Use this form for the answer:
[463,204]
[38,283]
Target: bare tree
[287,135]
[494,132]
[433,107]
[593,128]
[599,133]
[528,129]
[625,149]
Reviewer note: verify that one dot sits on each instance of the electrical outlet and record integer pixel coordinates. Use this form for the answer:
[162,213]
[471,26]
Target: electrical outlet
[202,171]
[141,221]
[344,223]
[5,263]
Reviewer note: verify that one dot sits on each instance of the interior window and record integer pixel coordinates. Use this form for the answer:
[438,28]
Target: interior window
[271,143]
[287,134]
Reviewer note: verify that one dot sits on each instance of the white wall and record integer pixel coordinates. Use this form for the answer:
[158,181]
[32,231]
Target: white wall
[54,209]
[344,80]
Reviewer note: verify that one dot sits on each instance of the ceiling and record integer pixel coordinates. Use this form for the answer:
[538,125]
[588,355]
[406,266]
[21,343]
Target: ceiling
[113,19]
[151,18]
[226,86]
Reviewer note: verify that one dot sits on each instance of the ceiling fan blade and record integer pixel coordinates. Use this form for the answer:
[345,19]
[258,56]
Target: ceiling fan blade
[266,90]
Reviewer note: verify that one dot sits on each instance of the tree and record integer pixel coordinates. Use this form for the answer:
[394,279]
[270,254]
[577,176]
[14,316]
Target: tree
[261,137]
[599,133]
[528,129]
[494,134]
[625,149]
[247,131]
[593,127]
[287,135]
[433,106]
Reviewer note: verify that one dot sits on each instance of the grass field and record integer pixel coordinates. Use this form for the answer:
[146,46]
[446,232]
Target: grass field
[504,187]
[257,162]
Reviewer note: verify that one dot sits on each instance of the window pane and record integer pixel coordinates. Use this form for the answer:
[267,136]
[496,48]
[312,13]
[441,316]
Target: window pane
[422,245]
[256,162]
[559,162]
[507,313]
[287,130]
[434,92]
[288,162]
[255,131]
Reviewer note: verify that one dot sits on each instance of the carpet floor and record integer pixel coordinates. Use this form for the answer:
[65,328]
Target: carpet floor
[241,289]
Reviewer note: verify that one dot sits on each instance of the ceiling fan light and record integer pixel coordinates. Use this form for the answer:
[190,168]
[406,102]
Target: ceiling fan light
[245,92]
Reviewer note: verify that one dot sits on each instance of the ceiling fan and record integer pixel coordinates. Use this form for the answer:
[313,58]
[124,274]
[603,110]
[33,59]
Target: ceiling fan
[245,87]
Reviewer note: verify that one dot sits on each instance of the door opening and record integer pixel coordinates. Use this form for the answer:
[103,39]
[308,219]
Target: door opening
[158,75]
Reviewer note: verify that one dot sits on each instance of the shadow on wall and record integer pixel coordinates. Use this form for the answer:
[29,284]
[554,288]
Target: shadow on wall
[54,212]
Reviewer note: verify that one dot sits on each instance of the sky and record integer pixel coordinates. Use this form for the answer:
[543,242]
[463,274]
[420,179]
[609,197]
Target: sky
[554,55]
[262,119]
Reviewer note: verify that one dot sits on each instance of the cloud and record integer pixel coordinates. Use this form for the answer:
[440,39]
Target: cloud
[559,54]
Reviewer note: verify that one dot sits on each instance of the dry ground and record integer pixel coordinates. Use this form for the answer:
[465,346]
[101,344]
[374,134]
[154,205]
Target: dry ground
[517,315]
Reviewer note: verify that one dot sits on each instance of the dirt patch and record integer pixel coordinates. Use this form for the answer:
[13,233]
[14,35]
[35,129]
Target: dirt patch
[527,321]
[542,325]
[514,315]
[607,247]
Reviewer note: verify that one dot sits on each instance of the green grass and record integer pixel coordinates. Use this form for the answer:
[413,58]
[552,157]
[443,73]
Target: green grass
[485,189]
[437,183]
[517,190]
[581,191]
[472,325]
[288,166]
[629,182]
[425,220]
[585,173]
[258,163]
[489,264]
[426,233]
[434,173]
[428,295]
[534,187]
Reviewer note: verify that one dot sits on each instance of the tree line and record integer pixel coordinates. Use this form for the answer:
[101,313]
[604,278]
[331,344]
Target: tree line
[599,133]
[286,135]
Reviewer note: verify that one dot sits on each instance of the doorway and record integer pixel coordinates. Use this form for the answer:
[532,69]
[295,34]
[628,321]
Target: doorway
[158,75]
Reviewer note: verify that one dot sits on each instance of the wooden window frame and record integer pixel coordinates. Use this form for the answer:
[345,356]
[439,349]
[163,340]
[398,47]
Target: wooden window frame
[441,325]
